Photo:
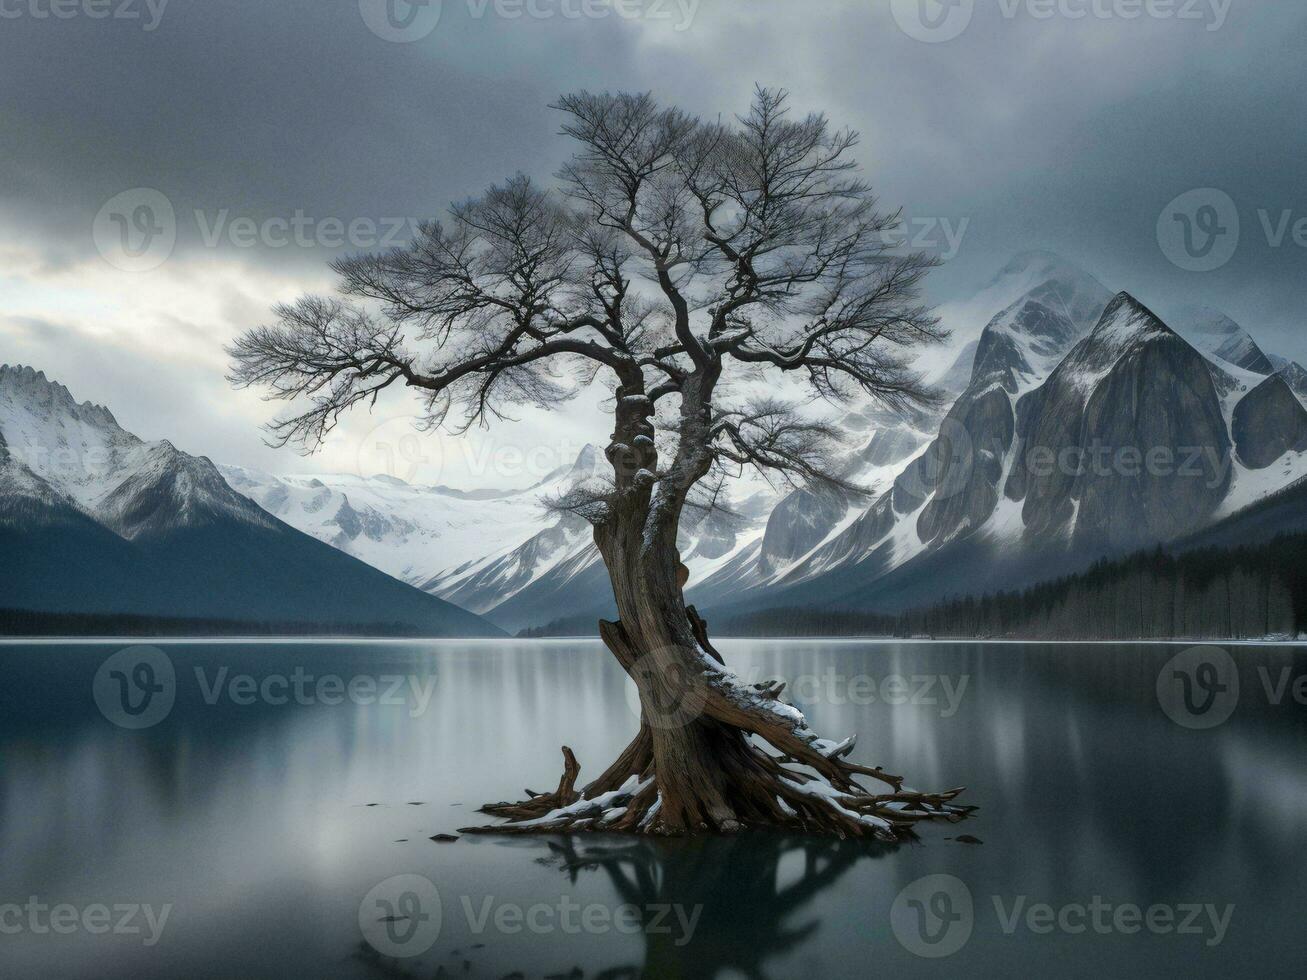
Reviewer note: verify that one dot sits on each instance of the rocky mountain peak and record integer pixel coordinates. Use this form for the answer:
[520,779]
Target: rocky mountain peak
[1127,322]
[1220,337]
[23,384]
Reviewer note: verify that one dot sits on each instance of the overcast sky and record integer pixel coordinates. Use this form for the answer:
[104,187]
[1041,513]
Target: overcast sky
[1065,124]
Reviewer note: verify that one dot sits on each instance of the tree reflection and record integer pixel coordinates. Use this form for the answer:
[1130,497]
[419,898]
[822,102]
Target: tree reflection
[752,891]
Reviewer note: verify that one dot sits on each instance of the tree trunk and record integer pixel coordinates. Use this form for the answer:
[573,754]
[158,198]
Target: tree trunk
[692,767]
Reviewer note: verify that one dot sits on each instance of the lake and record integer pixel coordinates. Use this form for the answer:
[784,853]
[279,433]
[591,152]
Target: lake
[265,810]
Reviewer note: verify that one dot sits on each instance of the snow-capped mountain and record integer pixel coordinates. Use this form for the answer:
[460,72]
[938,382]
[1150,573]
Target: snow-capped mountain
[411,531]
[1047,305]
[1037,275]
[504,554]
[1221,339]
[1134,437]
[94,519]
[1044,361]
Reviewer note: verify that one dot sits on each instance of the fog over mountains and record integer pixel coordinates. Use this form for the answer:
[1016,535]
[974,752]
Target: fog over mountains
[1077,424]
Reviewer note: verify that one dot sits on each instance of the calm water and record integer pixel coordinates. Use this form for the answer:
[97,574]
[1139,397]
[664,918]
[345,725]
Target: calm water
[270,834]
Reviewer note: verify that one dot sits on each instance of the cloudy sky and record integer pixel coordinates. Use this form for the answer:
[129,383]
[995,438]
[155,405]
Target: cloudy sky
[273,131]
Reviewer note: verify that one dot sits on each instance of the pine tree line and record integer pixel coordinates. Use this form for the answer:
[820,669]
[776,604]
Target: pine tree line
[1214,593]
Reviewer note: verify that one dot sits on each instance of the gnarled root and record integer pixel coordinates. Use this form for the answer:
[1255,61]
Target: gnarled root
[744,759]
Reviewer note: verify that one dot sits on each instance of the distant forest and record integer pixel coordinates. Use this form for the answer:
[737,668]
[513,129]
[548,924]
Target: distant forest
[1214,593]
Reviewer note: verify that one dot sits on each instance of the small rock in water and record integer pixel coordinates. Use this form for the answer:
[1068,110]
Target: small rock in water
[418,804]
[445,838]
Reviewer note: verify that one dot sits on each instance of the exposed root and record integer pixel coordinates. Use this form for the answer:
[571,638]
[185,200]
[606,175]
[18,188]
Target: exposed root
[745,760]
[539,804]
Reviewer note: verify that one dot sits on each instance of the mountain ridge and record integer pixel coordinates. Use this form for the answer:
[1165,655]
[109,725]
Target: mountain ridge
[95,520]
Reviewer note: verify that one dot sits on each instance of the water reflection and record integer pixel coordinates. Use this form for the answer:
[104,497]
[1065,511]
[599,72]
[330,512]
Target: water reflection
[264,825]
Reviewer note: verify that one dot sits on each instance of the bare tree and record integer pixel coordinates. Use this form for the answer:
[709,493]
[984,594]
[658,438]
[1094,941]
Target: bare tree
[677,257]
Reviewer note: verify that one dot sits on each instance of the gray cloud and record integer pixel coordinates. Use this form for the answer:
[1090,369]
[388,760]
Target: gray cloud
[1067,133]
